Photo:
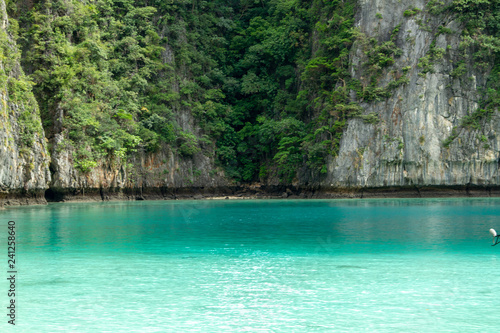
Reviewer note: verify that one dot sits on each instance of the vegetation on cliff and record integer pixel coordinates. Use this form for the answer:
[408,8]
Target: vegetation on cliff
[267,82]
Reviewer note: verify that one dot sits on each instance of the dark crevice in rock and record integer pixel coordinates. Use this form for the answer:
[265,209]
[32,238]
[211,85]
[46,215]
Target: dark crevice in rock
[250,192]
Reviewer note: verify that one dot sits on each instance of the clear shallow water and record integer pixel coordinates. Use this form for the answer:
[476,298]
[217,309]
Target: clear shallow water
[256,266]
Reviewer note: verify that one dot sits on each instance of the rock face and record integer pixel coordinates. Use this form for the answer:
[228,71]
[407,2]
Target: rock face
[24,161]
[24,173]
[152,175]
[406,148]
[145,175]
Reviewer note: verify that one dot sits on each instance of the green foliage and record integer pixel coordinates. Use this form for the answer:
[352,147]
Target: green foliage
[92,64]
[427,63]
[117,76]
[444,30]
[18,100]
[451,138]
[475,119]
[472,121]
[267,129]
[401,144]
[188,144]
[29,127]
[436,7]
[371,118]
[85,165]
[480,46]
[459,70]
[411,12]
[379,57]
[267,82]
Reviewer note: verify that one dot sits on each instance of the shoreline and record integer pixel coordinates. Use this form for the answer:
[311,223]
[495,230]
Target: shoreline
[243,192]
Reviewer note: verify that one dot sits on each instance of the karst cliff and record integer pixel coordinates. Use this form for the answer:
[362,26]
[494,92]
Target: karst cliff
[175,99]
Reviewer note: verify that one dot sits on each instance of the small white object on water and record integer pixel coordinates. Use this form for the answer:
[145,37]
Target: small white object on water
[496,237]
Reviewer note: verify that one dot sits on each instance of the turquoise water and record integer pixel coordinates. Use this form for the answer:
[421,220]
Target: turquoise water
[256,266]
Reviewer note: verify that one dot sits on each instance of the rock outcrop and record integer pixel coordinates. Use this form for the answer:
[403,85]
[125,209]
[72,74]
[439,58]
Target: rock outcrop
[24,160]
[414,143]
[407,147]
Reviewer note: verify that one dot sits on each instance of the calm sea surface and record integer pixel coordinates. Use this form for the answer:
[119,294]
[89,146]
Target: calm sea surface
[392,265]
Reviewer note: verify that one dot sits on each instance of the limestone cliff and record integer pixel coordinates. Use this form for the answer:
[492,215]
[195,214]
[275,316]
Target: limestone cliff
[142,174]
[412,135]
[408,147]
[24,173]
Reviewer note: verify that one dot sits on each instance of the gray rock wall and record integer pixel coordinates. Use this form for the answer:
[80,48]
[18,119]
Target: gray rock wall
[24,173]
[406,147]
[143,171]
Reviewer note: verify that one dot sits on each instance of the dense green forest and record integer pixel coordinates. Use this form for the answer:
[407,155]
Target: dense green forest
[268,82]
